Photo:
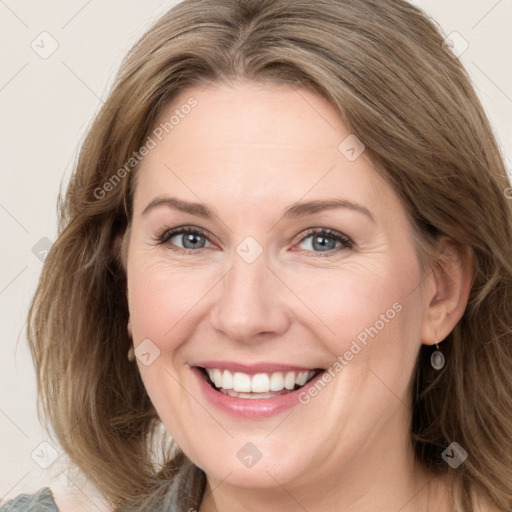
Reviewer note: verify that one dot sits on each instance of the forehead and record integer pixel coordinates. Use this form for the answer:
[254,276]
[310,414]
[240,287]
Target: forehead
[258,144]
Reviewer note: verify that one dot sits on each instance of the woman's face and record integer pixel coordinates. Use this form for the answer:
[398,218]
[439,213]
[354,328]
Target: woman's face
[255,291]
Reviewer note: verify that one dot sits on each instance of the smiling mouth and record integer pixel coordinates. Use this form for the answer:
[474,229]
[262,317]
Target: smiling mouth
[257,386]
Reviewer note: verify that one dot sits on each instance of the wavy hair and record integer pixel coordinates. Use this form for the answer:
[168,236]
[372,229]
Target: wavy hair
[384,67]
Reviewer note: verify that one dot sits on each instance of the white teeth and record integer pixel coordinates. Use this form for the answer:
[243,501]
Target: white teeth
[289,380]
[302,378]
[217,378]
[276,381]
[260,383]
[241,382]
[227,380]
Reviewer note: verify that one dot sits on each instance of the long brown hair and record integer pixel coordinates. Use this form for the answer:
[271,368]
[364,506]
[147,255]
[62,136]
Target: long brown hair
[384,67]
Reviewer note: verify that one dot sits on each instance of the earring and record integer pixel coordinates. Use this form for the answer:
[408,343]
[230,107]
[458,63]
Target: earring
[437,358]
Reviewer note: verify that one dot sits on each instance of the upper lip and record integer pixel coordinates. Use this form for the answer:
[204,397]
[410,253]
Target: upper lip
[253,368]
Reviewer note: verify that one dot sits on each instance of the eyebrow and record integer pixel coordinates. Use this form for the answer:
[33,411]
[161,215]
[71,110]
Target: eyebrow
[197,209]
[295,211]
[307,208]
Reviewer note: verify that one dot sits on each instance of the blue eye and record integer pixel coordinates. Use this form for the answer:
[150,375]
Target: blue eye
[325,240]
[190,239]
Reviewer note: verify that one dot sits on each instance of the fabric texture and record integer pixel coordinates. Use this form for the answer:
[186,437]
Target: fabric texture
[40,501]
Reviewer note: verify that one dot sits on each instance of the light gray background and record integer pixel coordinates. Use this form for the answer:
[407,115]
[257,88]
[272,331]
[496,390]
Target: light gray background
[46,105]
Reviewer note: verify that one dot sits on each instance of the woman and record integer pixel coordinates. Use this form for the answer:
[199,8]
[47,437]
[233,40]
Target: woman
[287,241]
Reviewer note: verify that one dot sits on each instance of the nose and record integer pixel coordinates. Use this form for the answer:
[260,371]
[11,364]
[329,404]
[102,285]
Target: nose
[251,303]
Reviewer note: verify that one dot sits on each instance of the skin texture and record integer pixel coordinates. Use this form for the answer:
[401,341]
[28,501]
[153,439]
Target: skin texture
[248,151]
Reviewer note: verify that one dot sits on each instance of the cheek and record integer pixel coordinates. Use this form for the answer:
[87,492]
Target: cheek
[378,328]
[160,296]
[161,301]
[371,320]
[358,299]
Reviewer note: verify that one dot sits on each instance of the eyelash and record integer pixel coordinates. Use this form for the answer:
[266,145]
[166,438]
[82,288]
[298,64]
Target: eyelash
[346,242]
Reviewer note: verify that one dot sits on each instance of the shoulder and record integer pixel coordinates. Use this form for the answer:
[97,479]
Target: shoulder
[40,501]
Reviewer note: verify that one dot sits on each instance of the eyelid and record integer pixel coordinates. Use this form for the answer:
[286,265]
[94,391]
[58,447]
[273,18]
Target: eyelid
[170,232]
[346,241]
[166,234]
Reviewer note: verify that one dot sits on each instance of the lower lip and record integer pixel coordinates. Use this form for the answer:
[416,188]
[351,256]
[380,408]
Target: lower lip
[251,408]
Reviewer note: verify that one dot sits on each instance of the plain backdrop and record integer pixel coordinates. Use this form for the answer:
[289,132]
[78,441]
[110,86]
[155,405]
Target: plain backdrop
[48,100]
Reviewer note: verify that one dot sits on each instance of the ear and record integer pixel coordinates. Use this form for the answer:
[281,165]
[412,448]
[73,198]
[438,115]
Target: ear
[447,290]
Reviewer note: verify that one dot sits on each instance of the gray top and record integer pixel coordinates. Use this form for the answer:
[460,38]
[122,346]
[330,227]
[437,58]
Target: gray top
[181,487]
[40,501]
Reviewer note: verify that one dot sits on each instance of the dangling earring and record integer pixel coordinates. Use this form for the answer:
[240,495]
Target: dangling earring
[437,358]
